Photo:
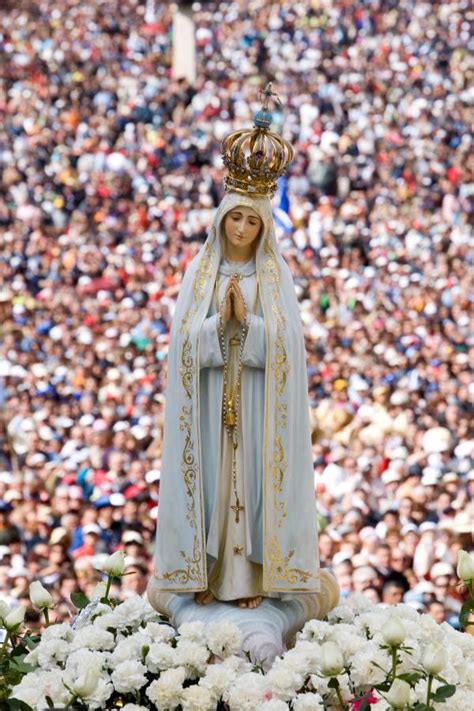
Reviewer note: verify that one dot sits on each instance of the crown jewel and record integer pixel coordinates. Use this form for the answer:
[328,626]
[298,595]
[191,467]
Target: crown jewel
[256,158]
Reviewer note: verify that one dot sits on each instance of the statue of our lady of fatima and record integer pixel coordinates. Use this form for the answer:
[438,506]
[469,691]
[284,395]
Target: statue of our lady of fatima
[237,516]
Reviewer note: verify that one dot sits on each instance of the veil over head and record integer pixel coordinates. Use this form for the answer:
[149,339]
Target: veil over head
[289,538]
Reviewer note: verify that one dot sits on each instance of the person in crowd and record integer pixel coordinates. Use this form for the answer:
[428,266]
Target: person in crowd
[110,172]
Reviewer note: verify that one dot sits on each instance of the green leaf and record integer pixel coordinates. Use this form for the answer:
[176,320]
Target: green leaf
[444,692]
[21,665]
[466,609]
[411,677]
[50,701]
[333,683]
[79,600]
[17,705]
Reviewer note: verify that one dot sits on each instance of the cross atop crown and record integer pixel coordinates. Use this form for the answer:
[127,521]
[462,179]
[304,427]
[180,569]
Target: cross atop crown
[267,93]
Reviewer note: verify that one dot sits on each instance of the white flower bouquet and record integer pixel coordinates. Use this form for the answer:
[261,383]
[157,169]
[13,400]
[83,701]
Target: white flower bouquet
[361,657]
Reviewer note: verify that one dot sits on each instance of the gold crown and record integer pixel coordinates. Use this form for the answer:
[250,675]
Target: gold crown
[256,158]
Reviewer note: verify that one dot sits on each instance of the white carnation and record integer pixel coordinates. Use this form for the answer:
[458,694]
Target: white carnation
[160,632]
[193,631]
[60,631]
[35,686]
[218,678]
[165,692]
[134,707]
[130,648]
[273,705]
[197,698]
[371,622]
[224,639]
[247,692]
[359,603]
[309,651]
[83,659]
[341,613]
[105,621]
[160,656]
[52,652]
[307,702]
[129,676]
[192,656]
[348,641]
[363,670]
[315,630]
[30,690]
[92,637]
[237,664]
[283,682]
[133,612]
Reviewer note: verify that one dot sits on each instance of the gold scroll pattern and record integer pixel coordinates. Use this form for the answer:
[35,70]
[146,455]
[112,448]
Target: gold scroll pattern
[194,570]
[278,564]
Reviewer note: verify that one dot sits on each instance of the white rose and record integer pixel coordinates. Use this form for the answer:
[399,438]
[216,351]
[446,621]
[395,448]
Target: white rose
[435,658]
[4,610]
[393,632]
[197,698]
[129,676]
[14,618]
[114,564]
[399,694]
[86,684]
[39,596]
[165,692]
[332,661]
[101,694]
[465,567]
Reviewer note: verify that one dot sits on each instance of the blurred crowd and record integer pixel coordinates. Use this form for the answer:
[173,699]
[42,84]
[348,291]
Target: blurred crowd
[110,171]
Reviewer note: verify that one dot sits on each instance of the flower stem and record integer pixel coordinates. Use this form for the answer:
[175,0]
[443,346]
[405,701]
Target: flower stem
[339,697]
[46,617]
[107,589]
[4,645]
[428,690]
[393,652]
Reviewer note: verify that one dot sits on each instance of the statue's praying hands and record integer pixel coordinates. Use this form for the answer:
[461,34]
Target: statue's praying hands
[233,303]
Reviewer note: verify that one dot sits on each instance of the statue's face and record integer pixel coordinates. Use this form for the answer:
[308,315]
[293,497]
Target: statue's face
[242,226]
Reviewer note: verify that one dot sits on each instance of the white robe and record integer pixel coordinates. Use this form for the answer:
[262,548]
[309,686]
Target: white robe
[276,470]
[231,575]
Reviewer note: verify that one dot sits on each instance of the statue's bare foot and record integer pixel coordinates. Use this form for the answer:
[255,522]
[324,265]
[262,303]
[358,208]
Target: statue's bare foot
[204,597]
[250,602]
